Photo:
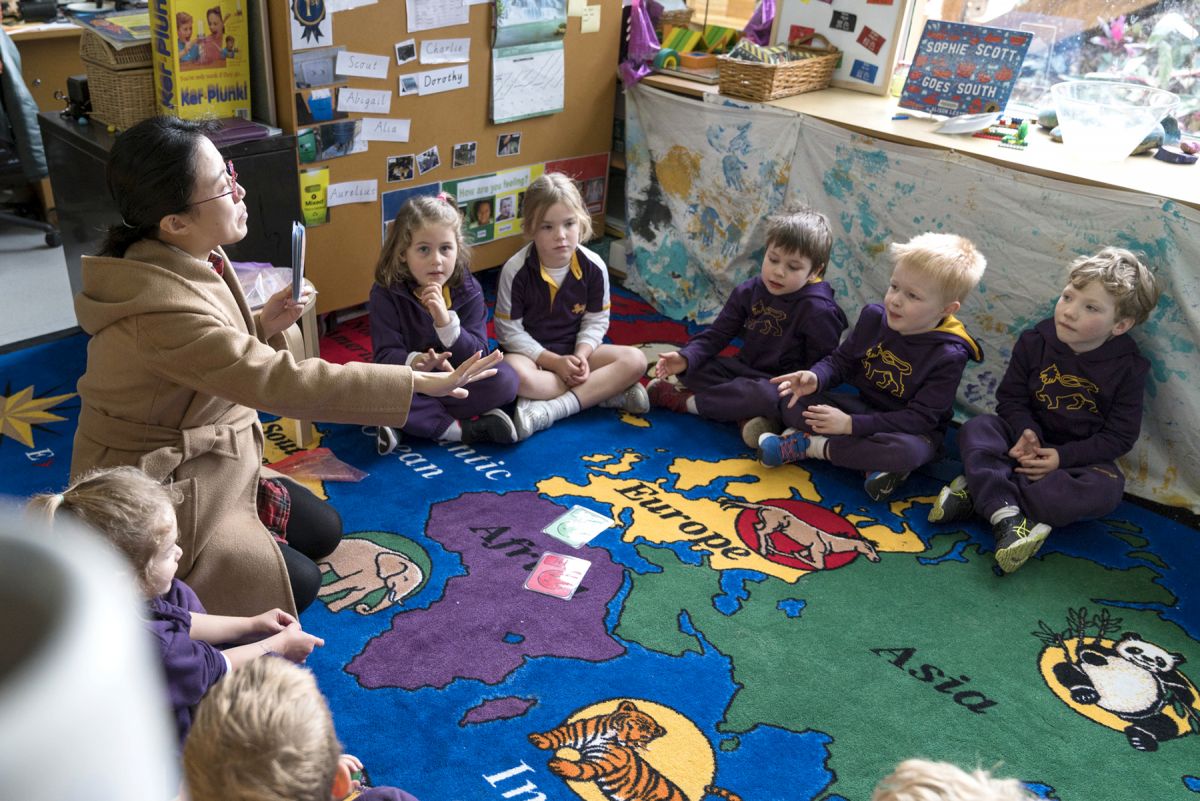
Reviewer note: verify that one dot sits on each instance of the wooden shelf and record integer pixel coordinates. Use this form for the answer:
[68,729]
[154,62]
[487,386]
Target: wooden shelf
[616,161]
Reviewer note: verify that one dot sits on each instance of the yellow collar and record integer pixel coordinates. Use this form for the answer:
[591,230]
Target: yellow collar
[576,271]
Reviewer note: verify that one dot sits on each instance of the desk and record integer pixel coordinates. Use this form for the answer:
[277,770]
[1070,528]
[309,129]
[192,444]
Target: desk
[49,55]
[77,155]
[871,115]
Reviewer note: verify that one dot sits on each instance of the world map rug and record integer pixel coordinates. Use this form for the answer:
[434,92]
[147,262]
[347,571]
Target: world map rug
[702,653]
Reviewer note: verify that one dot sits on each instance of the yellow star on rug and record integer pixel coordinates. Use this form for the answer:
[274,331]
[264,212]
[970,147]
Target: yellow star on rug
[19,413]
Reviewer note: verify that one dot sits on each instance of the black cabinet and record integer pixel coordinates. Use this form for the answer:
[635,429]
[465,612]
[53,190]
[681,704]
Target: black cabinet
[77,154]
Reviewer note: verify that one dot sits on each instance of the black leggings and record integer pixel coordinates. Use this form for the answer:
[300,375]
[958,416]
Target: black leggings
[314,529]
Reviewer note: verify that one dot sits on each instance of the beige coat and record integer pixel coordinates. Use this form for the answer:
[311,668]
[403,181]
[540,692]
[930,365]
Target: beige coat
[176,368]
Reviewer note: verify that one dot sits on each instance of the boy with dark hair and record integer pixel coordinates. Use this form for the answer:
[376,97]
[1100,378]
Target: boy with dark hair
[787,319]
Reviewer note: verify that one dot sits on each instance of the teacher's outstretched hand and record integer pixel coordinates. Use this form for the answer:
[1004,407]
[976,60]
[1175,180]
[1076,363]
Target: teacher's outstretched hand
[453,384]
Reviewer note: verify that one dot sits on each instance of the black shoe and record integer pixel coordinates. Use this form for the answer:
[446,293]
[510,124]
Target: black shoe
[491,426]
[953,503]
[1017,539]
[387,439]
[880,484]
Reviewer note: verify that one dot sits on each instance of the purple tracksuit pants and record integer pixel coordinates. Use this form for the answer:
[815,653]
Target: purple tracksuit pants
[430,417]
[1067,495]
[890,451]
[726,388]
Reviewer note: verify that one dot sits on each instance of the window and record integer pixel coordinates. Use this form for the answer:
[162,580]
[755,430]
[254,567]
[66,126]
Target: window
[1156,44]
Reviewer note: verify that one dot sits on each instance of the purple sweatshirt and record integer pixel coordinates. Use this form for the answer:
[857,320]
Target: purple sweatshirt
[553,315]
[911,379]
[191,666]
[382,794]
[1086,405]
[400,325]
[780,333]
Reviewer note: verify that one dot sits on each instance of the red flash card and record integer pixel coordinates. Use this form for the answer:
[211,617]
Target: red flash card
[557,575]
[799,32]
[872,40]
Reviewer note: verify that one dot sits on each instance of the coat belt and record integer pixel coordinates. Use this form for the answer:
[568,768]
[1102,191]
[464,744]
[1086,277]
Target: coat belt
[165,449]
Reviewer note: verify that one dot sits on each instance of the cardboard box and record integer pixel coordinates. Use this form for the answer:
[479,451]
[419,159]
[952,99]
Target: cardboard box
[201,58]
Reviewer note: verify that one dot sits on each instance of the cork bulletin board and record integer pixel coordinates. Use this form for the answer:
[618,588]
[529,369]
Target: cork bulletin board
[866,31]
[342,252]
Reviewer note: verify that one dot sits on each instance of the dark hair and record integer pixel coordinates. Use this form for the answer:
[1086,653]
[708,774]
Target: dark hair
[151,173]
[799,229]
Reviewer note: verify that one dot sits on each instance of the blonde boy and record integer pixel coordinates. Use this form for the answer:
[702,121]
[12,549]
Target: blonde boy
[905,357]
[1069,404]
[264,733]
[923,780]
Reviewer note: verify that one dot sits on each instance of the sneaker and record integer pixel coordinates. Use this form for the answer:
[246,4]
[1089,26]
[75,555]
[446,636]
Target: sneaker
[953,503]
[633,400]
[387,439]
[755,427]
[1017,539]
[530,417]
[880,484]
[775,449]
[664,394]
[491,426]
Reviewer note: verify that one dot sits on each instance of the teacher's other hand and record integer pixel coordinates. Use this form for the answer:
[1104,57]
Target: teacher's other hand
[280,311]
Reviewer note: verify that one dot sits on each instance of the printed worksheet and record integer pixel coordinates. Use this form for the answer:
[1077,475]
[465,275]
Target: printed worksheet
[527,81]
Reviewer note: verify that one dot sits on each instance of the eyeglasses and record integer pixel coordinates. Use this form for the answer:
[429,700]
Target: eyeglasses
[231,174]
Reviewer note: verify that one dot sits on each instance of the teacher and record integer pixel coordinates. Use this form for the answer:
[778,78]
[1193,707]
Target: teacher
[177,366]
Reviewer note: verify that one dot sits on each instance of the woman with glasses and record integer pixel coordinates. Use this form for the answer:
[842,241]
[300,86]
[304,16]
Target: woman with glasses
[178,366]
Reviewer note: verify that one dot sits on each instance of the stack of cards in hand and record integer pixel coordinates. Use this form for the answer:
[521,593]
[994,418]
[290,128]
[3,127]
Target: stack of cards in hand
[298,243]
[559,575]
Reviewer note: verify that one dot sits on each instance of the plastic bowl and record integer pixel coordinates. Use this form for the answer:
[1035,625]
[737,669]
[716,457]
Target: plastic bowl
[1106,120]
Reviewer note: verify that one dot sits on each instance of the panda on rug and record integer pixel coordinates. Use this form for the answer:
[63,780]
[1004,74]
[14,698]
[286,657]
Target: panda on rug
[1134,680]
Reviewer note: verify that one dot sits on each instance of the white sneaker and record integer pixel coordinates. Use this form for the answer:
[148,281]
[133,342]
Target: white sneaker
[530,417]
[634,400]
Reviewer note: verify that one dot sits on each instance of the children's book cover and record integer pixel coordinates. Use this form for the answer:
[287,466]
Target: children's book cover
[120,29]
[201,61]
[964,69]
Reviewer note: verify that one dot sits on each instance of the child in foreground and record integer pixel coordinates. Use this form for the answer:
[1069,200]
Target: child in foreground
[905,358]
[428,311]
[787,319]
[552,310]
[265,732]
[923,780]
[1069,405]
[136,514]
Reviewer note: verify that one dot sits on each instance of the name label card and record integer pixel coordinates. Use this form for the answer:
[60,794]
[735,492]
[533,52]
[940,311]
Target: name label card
[361,65]
[368,101]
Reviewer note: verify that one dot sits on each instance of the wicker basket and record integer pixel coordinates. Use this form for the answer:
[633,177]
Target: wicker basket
[94,49]
[120,82]
[812,70]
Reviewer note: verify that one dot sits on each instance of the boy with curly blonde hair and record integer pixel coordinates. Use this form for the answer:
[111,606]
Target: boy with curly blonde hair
[1068,406]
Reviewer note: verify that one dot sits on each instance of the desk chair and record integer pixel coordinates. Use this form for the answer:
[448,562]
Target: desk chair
[22,159]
